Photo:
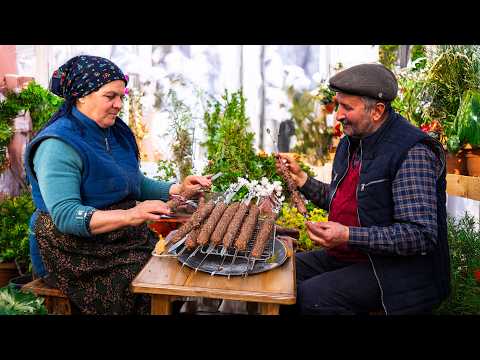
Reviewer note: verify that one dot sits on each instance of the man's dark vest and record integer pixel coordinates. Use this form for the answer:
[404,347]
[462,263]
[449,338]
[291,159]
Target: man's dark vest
[408,284]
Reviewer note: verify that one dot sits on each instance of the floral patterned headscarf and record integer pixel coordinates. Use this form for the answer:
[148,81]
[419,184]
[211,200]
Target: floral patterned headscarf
[82,75]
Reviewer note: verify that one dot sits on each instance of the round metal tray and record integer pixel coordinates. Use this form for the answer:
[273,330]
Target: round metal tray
[212,263]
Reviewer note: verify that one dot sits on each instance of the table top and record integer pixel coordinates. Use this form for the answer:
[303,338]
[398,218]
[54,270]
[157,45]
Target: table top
[165,276]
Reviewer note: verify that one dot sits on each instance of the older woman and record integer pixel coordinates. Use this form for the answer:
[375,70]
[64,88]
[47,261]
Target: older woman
[89,236]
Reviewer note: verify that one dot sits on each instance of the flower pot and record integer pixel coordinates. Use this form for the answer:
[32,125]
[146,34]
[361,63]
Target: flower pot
[19,281]
[8,270]
[456,163]
[472,160]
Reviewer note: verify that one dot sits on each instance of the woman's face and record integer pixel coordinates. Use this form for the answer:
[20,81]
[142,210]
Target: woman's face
[104,104]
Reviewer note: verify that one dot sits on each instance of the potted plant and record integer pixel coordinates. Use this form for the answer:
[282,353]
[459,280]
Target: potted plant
[433,99]
[467,125]
[16,302]
[15,215]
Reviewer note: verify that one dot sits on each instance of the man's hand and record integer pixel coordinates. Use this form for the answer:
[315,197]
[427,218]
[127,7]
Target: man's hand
[327,234]
[298,175]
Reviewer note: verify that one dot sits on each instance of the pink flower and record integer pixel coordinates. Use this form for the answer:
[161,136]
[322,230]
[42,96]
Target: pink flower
[126,91]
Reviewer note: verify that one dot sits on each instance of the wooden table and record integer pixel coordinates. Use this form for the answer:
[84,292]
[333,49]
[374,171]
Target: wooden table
[164,279]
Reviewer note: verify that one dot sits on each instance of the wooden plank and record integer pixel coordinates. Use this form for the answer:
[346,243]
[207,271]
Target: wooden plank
[277,285]
[161,305]
[269,309]
[39,287]
[164,276]
[463,186]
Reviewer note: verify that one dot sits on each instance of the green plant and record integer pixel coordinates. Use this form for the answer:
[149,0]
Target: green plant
[229,144]
[291,218]
[15,215]
[464,243]
[418,56]
[452,71]
[16,302]
[325,95]
[313,135]
[41,104]
[388,55]
[165,170]
[181,128]
[410,103]
[467,121]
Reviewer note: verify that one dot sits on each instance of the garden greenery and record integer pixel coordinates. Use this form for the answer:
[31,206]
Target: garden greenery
[15,215]
[41,104]
[464,243]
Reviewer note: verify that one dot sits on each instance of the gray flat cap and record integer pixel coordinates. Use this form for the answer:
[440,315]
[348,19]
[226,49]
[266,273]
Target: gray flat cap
[372,80]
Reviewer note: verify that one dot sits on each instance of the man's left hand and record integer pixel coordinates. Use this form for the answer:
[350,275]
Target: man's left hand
[327,234]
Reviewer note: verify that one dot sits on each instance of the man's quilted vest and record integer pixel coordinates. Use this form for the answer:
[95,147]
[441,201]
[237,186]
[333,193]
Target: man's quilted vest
[408,283]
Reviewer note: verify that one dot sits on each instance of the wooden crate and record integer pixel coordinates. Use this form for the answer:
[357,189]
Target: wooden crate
[56,302]
[463,186]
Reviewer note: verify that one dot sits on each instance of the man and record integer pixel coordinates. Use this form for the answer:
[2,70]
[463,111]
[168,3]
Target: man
[385,244]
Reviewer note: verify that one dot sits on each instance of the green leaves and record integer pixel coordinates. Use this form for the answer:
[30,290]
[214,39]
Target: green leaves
[15,215]
[181,129]
[229,144]
[41,103]
[464,243]
[15,302]
[467,121]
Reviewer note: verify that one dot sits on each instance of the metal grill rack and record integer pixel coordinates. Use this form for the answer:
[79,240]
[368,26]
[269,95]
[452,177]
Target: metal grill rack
[245,254]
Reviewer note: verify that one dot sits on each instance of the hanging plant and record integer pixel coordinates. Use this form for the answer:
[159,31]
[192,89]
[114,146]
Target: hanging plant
[41,104]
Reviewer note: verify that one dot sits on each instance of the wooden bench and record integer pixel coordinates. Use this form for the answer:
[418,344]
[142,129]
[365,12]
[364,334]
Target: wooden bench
[56,302]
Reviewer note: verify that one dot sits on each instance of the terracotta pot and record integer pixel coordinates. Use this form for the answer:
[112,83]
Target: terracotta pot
[456,163]
[472,158]
[8,270]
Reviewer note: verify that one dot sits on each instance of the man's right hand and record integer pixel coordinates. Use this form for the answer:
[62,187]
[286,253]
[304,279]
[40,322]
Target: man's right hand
[296,172]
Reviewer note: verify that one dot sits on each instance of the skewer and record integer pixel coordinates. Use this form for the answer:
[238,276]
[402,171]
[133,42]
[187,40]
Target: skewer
[177,244]
[233,260]
[219,266]
[209,251]
[192,254]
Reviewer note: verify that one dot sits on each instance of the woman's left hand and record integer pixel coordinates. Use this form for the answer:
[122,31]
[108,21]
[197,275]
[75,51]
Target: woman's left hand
[196,183]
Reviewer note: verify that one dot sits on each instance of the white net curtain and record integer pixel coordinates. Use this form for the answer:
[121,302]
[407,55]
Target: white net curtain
[200,72]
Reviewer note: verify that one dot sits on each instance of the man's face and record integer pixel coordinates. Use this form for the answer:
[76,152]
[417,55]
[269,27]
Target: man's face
[104,105]
[351,113]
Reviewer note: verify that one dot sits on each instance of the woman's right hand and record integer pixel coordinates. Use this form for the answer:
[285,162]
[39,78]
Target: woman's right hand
[147,210]
[296,172]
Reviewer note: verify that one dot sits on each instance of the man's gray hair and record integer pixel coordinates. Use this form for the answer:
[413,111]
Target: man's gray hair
[369,103]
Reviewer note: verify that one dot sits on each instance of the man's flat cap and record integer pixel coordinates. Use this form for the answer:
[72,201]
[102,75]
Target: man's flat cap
[372,80]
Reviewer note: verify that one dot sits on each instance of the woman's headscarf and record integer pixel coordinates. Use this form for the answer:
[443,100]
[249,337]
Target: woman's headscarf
[82,75]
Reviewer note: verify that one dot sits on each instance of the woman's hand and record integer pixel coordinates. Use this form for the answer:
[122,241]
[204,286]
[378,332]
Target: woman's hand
[146,210]
[192,183]
[298,175]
